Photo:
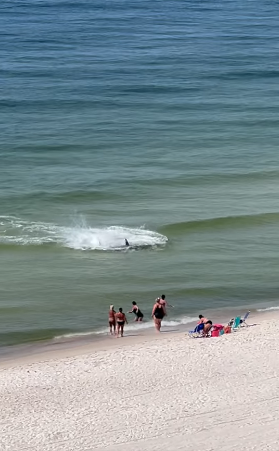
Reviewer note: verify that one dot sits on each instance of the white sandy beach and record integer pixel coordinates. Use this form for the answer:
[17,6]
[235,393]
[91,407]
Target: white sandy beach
[172,393]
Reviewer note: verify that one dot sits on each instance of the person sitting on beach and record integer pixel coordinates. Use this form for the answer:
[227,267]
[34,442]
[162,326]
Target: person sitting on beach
[158,313]
[207,328]
[120,320]
[202,319]
[200,325]
[112,322]
[136,311]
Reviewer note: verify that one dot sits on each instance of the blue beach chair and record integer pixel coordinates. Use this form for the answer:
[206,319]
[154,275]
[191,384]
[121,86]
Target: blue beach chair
[243,321]
[197,331]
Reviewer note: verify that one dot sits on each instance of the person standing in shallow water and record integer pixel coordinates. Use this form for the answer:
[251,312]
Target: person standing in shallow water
[158,313]
[112,322]
[120,321]
[164,301]
[136,311]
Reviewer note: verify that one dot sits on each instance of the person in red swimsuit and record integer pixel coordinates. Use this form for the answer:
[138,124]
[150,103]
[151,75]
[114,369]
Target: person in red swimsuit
[120,320]
[111,319]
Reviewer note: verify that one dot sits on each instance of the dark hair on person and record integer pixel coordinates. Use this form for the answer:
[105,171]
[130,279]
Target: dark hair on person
[201,316]
[163,296]
[134,303]
[120,309]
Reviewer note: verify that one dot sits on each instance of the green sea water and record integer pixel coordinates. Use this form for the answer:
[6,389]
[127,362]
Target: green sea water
[151,121]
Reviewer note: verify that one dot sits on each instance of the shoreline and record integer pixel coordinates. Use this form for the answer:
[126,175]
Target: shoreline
[180,323]
[49,350]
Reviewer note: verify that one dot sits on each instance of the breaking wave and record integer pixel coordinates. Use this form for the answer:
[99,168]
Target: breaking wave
[267,309]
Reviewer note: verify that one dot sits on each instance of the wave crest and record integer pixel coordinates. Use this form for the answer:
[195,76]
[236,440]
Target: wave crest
[267,309]
[221,223]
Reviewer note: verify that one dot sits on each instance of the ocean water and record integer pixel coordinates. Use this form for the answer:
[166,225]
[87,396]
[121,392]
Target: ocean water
[152,121]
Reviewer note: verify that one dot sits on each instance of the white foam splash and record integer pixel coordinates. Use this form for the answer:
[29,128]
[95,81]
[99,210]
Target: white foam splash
[111,238]
[80,237]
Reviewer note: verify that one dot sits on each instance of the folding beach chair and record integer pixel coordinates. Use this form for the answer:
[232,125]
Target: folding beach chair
[243,321]
[236,324]
[197,331]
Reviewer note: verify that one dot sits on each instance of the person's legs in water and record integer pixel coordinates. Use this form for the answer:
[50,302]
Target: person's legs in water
[138,318]
[157,323]
[118,329]
[112,325]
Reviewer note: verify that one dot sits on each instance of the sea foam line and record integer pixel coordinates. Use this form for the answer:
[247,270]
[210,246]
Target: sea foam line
[130,327]
[267,309]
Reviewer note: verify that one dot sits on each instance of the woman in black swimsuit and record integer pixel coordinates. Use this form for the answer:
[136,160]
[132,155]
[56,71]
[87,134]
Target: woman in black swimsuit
[158,314]
[136,311]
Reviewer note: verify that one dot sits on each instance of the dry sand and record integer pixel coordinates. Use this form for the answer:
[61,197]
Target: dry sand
[173,393]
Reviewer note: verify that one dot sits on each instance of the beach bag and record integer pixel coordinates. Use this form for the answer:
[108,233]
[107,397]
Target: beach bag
[215,333]
[227,329]
[216,330]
